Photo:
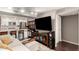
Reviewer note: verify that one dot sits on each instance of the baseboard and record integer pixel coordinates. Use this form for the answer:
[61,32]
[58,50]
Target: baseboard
[70,42]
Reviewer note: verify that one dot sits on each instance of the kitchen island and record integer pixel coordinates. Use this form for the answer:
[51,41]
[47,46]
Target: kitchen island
[15,32]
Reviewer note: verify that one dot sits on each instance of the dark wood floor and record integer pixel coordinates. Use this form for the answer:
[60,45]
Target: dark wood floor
[64,46]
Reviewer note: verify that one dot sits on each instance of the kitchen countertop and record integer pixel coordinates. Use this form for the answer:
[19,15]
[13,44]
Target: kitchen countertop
[14,29]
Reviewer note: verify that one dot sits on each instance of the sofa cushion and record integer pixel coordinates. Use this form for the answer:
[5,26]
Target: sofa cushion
[6,40]
[16,45]
[4,46]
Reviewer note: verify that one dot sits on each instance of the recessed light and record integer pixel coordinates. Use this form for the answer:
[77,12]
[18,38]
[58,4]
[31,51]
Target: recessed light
[22,10]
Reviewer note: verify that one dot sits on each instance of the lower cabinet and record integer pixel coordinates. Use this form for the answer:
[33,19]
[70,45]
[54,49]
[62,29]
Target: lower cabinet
[13,34]
[21,34]
[18,34]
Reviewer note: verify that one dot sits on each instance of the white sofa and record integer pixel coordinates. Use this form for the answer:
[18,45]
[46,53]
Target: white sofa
[16,45]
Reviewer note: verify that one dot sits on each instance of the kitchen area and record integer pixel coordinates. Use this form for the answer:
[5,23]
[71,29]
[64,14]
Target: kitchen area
[16,26]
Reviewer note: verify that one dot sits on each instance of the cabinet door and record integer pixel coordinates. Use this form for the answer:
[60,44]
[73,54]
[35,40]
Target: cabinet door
[21,35]
[25,33]
[13,34]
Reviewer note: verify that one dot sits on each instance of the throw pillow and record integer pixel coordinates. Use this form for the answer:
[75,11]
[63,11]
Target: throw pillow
[6,40]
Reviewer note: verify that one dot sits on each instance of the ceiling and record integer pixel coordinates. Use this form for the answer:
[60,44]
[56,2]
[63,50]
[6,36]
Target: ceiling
[36,9]
[28,11]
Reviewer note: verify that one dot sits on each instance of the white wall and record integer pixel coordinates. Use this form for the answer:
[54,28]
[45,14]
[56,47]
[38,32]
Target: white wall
[58,29]
[78,28]
[49,13]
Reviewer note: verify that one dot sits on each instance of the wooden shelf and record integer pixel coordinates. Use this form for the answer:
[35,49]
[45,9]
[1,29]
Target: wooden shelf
[31,24]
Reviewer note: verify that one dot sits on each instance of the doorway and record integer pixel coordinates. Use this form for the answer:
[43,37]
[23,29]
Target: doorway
[69,33]
[69,28]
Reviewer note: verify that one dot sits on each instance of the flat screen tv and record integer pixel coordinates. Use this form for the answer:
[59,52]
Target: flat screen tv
[43,23]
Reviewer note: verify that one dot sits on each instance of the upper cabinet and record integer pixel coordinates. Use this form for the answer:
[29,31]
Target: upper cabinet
[12,21]
[4,21]
[8,20]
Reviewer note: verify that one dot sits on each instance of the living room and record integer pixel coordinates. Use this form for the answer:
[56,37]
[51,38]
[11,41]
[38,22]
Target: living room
[21,24]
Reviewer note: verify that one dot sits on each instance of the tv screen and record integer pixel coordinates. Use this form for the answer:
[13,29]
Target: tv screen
[43,23]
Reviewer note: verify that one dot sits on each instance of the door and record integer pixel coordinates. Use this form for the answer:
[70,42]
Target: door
[69,28]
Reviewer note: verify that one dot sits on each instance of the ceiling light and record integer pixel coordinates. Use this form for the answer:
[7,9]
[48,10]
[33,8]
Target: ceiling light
[22,10]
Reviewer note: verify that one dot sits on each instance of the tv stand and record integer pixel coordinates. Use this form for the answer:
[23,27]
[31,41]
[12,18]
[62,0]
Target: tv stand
[47,39]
